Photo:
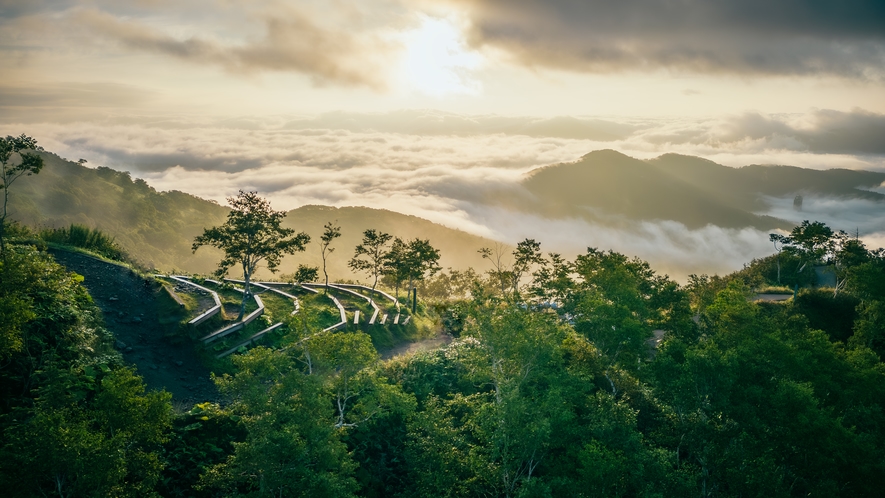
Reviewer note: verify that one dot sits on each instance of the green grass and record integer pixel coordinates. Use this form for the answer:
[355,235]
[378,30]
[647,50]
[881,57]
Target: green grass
[85,238]
[230,298]
[168,310]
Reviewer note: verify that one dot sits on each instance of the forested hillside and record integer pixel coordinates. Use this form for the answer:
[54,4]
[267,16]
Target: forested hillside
[587,377]
[158,228]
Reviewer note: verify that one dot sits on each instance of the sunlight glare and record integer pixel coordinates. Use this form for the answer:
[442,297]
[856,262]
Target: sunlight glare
[437,62]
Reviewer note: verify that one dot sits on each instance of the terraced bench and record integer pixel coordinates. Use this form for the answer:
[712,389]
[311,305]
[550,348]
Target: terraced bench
[208,313]
[225,331]
[251,340]
[338,304]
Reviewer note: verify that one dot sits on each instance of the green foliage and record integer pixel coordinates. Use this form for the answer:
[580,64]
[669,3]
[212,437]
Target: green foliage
[27,163]
[200,439]
[371,254]
[617,303]
[86,238]
[412,261]
[51,319]
[330,233]
[292,447]
[251,235]
[835,315]
[91,432]
[762,405]
[303,274]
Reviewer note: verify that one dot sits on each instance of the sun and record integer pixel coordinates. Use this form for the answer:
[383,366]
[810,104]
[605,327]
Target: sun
[437,62]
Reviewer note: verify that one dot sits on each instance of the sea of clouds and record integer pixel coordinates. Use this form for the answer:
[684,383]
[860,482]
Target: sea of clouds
[446,168]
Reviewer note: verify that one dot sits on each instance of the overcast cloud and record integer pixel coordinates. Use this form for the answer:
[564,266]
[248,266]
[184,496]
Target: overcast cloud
[844,37]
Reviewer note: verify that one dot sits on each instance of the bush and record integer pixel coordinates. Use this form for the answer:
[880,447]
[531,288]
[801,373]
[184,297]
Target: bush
[85,238]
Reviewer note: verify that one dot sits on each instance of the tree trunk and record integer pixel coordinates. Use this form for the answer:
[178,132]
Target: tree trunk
[778,268]
[246,277]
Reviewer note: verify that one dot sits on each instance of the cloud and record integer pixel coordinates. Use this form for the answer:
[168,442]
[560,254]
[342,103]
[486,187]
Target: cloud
[432,122]
[73,94]
[291,41]
[454,179]
[820,139]
[668,246]
[750,36]
[822,131]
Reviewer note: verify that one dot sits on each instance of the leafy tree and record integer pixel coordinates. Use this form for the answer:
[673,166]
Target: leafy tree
[292,447]
[553,281]
[814,241]
[92,432]
[526,255]
[252,234]
[617,302]
[779,242]
[762,405]
[12,168]
[500,273]
[396,264]
[330,233]
[374,250]
[421,259]
[304,274]
[410,261]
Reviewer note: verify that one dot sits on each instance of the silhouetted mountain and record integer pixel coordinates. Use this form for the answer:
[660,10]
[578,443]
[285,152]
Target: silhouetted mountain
[609,187]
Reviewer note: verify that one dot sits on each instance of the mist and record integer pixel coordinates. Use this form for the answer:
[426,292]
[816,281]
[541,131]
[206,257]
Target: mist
[465,172]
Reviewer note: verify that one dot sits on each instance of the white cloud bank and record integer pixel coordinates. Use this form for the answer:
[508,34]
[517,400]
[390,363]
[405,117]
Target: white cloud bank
[446,168]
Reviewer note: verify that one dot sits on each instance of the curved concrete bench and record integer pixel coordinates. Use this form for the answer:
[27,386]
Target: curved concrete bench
[357,294]
[343,321]
[225,331]
[266,286]
[250,340]
[211,311]
[386,295]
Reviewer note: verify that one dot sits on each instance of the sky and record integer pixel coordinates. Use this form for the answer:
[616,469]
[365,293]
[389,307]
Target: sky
[425,106]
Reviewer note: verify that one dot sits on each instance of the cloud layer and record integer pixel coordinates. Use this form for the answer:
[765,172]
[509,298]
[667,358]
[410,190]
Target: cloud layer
[452,169]
[750,36]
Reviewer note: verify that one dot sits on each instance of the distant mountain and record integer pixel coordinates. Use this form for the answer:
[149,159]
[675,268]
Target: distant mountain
[609,187]
[157,228]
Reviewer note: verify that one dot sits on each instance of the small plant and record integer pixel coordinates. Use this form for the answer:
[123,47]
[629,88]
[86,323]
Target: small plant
[85,238]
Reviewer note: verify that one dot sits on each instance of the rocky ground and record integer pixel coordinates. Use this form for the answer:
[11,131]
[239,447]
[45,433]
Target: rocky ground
[151,344]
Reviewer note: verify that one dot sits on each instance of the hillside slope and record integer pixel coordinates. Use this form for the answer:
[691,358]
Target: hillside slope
[157,228]
[608,187]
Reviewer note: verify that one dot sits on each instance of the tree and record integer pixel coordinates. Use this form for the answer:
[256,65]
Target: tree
[373,248]
[29,163]
[783,240]
[395,264]
[815,240]
[527,254]
[251,234]
[330,233]
[501,274]
[303,274]
[292,447]
[421,259]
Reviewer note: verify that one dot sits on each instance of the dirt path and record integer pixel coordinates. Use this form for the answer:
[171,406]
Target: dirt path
[130,312]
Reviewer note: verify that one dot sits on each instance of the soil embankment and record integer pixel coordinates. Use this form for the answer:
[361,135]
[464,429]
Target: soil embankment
[131,310]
